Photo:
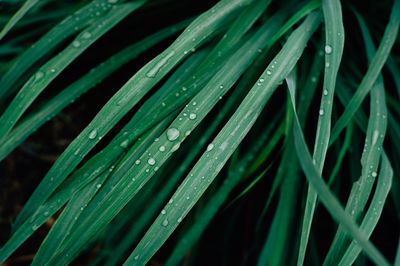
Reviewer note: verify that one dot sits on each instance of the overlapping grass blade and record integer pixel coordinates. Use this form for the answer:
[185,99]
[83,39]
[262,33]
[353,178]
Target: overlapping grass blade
[375,67]
[70,215]
[61,196]
[376,131]
[132,181]
[81,86]
[49,71]
[127,97]
[374,212]
[334,45]
[17,16]
[327,197]
[224,144]
[57,35]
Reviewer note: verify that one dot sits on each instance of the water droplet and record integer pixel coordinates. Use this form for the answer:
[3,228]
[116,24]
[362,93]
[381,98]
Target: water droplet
[314,79]
[172,134]
[34,227]
[261,80]
[187,133]
[192,116]
[176,147]
[86,35]
[163,211]
[327,64]
[98,185]
[165,222]
[194,103]
[52,70]
[162,148]
[137,162]
[375,137]
[39,75]
[321,112]
[179,220]
[374,174]
[210,147]
[328,49]
[124,144]
[93,134]
[76,44]
[184,88]
[46,213]
[151,161]
[163,104]
[137,256]
[269,72]
[325,92]
[153,72]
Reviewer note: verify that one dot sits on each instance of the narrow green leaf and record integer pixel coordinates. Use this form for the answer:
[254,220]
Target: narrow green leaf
[17,16]
[127,97]
[375,67]
[63,30]
[224,144]
[327,197]
[334,45]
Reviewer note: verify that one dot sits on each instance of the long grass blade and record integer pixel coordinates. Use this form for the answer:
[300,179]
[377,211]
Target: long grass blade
[334,45]
[126,98]
[17,16]
[327,197]
[57,35]
[375,67]
[224,144]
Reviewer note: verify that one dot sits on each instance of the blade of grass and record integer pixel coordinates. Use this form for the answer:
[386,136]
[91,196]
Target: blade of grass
[376,131]
[127,97]
[334,45]
[374,212]
[70,215]
[60,197]
[327,197]
[81,86]
[57,35]
[49,71]
[224,144]
[375,67]
[17,16]
[133,180]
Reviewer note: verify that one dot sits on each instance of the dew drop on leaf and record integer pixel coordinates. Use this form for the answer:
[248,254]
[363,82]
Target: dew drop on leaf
[93,134]
[172,134]
[328,49]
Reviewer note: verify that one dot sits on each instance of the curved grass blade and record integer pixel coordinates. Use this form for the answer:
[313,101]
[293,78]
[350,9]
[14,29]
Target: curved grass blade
[69,217]
[224,144]
[304,11]
[49,71]
[272,252]
[213,205]
[334,45]
[376,131]
[374,212]
[66,28]
[81,86]
[138,174]
[60,197]
[127,97]
[327,197]
[375,67]
[343,149]
[17,16]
